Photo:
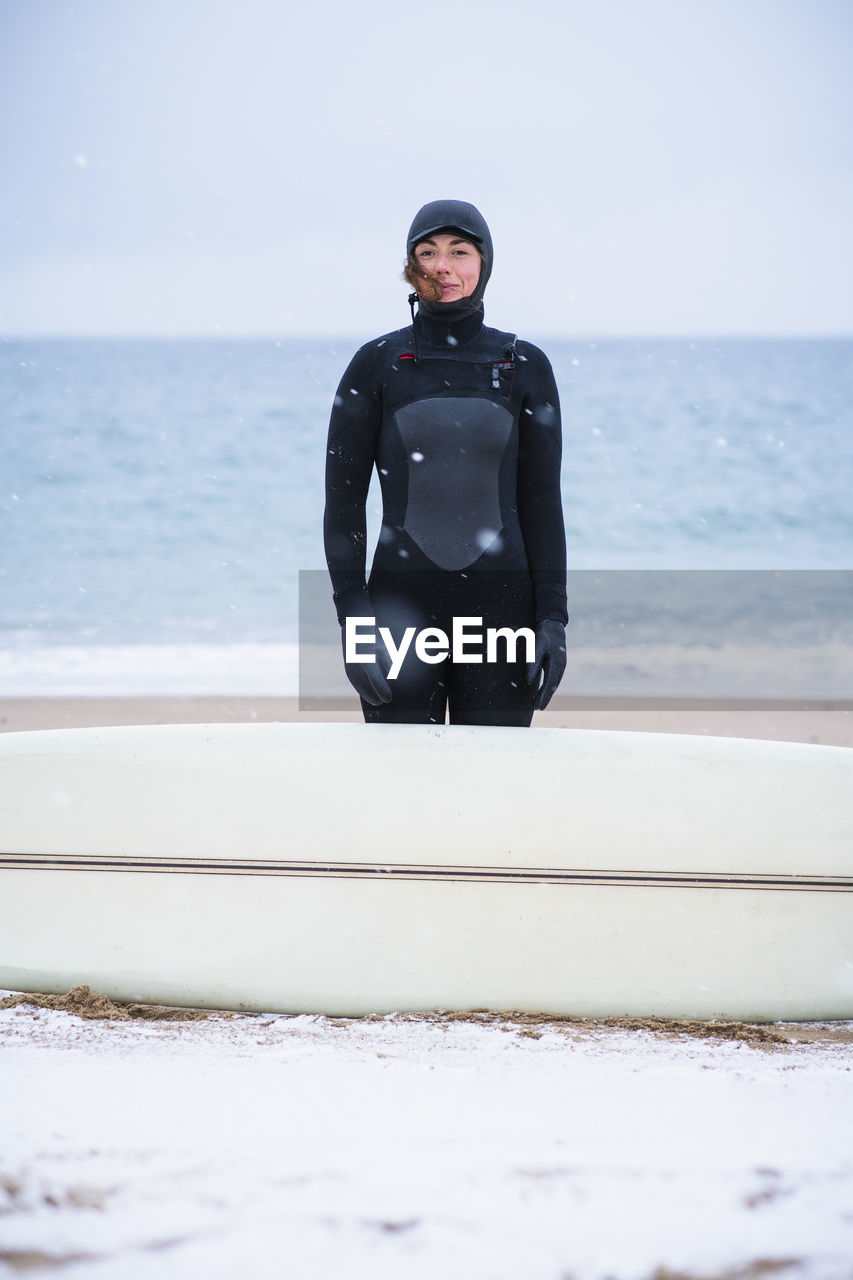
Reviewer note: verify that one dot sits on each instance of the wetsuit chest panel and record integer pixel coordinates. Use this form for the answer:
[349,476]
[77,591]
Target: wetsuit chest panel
[454,446]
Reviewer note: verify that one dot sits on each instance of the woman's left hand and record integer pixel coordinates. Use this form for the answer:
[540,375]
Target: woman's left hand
[549,662]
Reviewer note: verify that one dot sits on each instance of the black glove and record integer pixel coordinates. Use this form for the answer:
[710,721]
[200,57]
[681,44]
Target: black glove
[549,663]
[368,678]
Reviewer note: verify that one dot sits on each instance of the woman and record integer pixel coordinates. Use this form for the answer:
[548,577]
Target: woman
[463,425]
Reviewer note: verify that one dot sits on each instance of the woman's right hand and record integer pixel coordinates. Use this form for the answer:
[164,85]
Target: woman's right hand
[369,678]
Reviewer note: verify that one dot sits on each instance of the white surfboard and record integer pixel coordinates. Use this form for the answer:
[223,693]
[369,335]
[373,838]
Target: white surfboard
[353,869]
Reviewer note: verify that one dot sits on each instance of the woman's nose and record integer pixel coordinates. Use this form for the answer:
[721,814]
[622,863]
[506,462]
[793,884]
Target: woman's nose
[442,266]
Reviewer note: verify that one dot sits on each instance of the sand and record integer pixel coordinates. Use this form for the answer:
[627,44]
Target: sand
[95,1006]
[825,722]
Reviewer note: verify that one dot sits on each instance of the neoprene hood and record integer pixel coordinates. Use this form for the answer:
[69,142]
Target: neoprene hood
[454,215]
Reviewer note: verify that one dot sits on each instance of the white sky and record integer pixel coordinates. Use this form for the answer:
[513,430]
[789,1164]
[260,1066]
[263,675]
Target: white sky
[251,166]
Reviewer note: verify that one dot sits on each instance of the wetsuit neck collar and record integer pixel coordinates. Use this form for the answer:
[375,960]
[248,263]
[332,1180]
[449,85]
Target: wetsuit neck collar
[443,324]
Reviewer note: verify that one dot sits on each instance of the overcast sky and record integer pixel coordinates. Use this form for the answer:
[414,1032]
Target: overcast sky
[648,167]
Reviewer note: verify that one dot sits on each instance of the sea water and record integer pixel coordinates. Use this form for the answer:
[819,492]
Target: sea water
[160,498]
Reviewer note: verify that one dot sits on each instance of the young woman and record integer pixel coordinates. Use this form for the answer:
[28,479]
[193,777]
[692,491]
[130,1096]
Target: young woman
[462,423]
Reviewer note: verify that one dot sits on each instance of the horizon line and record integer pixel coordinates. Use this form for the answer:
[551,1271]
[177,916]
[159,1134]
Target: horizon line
[151,336]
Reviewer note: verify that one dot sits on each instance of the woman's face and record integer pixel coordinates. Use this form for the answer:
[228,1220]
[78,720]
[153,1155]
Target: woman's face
[452,261]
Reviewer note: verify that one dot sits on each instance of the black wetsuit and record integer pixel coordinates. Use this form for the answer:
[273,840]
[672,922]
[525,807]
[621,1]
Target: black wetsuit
[463,424]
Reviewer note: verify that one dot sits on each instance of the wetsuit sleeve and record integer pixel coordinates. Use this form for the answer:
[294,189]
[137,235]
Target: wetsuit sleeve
[540,507]
[350,453]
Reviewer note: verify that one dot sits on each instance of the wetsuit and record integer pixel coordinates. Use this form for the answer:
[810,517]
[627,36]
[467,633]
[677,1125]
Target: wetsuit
[463,425]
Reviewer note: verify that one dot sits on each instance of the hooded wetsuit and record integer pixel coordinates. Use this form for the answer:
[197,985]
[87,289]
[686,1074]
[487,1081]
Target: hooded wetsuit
[463,425]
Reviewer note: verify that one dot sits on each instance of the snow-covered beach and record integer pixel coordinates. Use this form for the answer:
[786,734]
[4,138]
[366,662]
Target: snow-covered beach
[478,1146]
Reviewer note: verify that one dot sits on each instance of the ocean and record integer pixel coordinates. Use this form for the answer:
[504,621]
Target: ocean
[159,500]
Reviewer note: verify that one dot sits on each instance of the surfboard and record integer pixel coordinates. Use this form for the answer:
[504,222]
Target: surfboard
[352,869]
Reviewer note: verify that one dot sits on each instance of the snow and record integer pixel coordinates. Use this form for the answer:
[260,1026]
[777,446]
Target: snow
[311,1147]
